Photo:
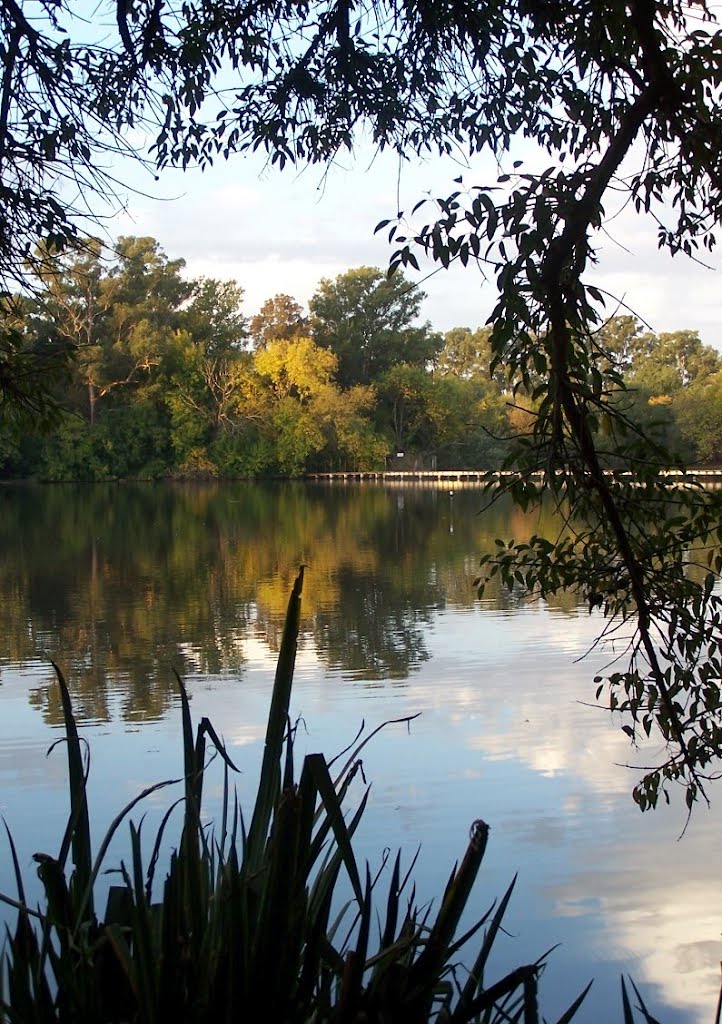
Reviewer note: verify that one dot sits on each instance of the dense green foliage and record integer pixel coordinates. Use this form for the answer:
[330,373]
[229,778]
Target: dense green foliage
[168,377]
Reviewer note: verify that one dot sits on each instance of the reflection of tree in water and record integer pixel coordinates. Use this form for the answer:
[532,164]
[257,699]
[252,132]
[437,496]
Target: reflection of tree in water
[377,630]
[120,584]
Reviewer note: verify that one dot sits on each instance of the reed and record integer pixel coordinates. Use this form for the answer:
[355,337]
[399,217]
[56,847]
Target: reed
[248,921]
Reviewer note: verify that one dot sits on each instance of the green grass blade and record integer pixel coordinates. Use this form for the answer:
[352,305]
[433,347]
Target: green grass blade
[172,946]
[82,851]
[626,1005]
[199,761]
[435,954]
[315,943]
[571,1011]
[145,954]
[326,877]
[17,905]
[116,937]
[349,1008]
[341,786]
[288,761]
[308,795]
[531,998]
[362,742]
[319,770]
[190,858]
[467,936]
[643,1008]
[16,865]
[224,817]
[476,975]
[107,839]
[278,936]
[206,726]
[269,784]
[501,989]
[189,759]
[392,905]
[155,853]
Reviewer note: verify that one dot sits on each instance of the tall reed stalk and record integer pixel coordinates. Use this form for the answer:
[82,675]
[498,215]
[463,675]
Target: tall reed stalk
[249,921]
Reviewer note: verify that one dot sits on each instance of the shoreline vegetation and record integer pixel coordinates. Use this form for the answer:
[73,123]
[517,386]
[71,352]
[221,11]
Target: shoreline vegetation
[155,376]
[269,909]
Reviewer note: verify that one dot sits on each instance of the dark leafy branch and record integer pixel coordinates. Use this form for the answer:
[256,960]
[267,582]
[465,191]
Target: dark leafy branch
[631,558]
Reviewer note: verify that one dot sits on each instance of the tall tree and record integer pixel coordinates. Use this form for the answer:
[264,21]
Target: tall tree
[466,353]
[119,311]
[293,374]
[621,340]
[35,361]
[405,394]
[208,362]
[369,321]
[74,296]
[698,414]
[279,319]
[214,319]
[346,419]
[672,361]
[297,368]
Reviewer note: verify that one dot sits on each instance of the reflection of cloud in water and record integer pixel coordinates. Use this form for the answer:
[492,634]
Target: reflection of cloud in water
[559,746]
[536,709]
[243,735]
[657,921]
[655,902]
[260,656]
[546,831]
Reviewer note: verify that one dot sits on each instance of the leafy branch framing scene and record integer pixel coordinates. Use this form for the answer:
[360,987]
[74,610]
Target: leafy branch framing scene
[621,104]
[621,101]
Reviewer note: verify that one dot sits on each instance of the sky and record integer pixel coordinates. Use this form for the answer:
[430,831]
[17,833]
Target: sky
[282,231]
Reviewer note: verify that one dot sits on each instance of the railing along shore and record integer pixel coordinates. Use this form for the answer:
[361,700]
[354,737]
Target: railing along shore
[474,477]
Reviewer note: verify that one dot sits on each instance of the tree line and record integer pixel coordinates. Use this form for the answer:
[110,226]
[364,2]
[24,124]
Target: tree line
[167,376]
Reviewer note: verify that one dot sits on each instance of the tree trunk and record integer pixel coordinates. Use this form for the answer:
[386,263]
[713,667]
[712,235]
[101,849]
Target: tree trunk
[92,398]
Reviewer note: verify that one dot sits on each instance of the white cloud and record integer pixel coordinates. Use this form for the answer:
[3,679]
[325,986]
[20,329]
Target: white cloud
[667,292]
[282,231]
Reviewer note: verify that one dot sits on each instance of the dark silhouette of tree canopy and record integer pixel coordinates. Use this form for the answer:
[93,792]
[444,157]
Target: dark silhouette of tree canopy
[575,76]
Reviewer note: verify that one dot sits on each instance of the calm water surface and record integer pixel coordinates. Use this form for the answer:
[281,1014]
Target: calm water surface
[121,584]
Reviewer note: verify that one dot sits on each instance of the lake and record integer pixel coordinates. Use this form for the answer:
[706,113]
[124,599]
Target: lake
[120,584]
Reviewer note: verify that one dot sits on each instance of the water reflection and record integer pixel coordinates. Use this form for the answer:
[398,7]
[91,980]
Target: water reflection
[120,583]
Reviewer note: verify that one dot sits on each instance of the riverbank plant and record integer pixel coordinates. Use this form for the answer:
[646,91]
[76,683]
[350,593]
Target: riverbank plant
[269,914]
